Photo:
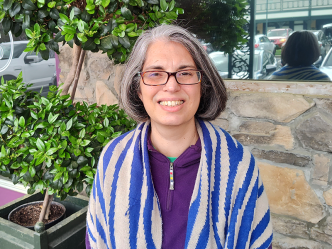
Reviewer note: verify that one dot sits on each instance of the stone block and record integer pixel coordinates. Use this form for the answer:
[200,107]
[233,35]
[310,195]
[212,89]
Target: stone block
[290,194]
[223,123]
[257,128]
[279,107]
[328,197]
[65,58]
[295,243]
[325,104]
[117,77]
[104,95]
[321,169]
[282,136]
[89,93]
[99,65]
[318,234]
[316,133]
[328,226]
[281,157]
[289,226]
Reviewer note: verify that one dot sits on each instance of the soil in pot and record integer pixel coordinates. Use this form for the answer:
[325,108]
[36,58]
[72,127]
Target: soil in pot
[29,215]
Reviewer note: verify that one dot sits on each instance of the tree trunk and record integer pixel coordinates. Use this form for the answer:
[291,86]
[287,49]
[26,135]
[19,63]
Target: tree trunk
[77,74]
[46,205]
[72,72]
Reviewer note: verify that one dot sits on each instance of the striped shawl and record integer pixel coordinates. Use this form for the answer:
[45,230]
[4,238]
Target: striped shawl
[228,207]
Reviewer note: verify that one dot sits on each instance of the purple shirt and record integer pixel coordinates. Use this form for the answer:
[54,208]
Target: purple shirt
[174,204]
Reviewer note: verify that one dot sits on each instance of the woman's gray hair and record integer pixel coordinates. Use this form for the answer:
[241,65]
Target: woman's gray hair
[213,97]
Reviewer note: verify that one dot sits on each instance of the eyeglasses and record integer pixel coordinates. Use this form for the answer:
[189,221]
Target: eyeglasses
[183,77]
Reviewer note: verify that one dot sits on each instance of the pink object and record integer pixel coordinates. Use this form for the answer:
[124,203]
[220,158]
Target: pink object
[7,195]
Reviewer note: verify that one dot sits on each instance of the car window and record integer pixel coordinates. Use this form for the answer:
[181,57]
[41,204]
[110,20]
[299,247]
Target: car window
[18,50]
[261,39]
[266,39]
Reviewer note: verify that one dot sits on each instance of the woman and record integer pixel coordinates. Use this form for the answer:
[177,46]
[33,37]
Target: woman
[176,181]
[298,55]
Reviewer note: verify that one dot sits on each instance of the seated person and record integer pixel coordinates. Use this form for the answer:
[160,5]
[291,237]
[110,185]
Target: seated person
[298,56]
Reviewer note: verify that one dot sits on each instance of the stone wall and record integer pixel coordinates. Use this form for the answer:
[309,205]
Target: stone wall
[287,127]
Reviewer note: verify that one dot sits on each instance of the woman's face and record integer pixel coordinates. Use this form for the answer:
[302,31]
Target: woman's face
[171,57]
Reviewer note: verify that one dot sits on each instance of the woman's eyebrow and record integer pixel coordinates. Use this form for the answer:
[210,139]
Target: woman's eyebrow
[158,67]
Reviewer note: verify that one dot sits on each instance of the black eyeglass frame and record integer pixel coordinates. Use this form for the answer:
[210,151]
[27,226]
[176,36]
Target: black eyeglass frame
[170,74]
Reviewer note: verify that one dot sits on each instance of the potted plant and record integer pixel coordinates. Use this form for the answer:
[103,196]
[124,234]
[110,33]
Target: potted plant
[52,146]
[110,26]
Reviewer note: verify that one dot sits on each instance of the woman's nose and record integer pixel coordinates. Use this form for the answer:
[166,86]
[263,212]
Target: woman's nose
[172,84]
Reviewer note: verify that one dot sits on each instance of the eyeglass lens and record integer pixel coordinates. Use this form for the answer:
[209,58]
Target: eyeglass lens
[182,77]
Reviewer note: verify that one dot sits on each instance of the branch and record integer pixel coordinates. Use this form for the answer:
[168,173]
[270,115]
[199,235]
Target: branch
[71,75]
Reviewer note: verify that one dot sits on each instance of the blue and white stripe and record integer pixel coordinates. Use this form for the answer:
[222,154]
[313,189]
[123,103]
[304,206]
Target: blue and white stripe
[228,208]
[311,73]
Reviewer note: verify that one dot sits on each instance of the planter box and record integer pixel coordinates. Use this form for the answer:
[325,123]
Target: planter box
[68,233]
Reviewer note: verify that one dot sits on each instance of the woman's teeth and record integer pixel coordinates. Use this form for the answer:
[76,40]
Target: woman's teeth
[171,103]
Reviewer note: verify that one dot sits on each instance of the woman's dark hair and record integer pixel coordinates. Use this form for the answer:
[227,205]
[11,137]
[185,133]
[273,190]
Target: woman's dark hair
[213,90]
[301,49]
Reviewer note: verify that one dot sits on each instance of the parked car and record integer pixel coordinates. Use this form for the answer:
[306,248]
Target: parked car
[262,42]
[264,63]
[35,70]
[279,36]
[323,43]
[326,65]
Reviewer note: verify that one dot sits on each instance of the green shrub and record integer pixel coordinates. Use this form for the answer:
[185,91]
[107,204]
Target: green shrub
[51,143]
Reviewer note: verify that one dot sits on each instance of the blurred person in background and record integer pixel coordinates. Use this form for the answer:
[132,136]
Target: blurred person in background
[298,56]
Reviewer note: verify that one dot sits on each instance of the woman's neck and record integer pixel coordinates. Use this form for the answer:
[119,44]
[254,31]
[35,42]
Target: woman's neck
[172,141]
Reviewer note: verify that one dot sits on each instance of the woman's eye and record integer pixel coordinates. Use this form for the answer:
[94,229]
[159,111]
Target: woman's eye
[154,74]
[185,73]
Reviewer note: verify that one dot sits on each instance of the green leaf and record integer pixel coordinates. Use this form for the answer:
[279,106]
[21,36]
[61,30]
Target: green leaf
[25,134]
[62,127]
[42,14]
[7,24]
[65,177]
[51,4]
[64,18]
[57,176]
[40,185]
[85,143]
[105,3]
[125,41]
[85,168]
[126,13]
[171,5]
[69,124]
[106,43]
[82,37]
[7,4]
[69,29]
[163,5]
[82,133]
[53,119]
[97,40]
[40,145]
[29,33]
[15,9]
[90,8]
[72,14]
[40,159]
[51,151]
[79,186]
[89,174]
[21,122]
[82,161]
[28,5]
[32,171]
[106,122]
